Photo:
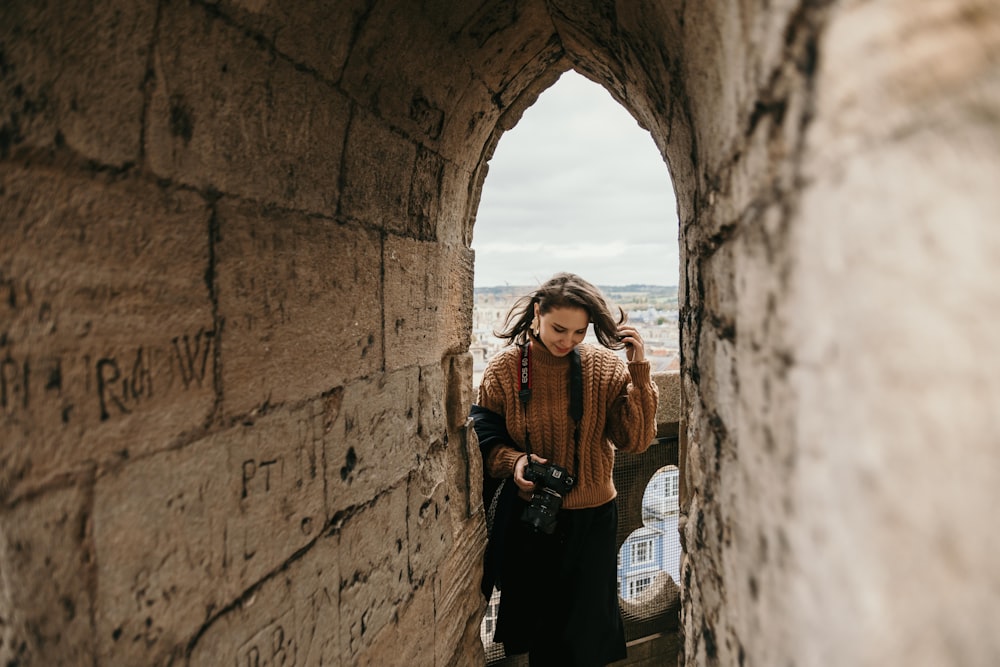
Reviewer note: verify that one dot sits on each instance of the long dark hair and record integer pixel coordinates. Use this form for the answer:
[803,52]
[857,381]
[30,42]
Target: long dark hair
[561,291]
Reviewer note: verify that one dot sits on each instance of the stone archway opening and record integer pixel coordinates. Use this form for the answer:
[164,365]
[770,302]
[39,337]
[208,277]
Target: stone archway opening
[578,186]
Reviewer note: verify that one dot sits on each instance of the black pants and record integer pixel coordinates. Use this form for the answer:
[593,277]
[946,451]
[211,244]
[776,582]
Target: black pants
[558,593]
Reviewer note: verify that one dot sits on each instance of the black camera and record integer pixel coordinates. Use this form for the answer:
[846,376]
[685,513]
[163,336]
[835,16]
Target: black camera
[551,484]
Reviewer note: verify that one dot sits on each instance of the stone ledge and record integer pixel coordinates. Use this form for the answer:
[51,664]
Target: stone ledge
[668,410]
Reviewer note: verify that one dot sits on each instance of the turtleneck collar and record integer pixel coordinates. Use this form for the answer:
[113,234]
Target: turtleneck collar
[541,355]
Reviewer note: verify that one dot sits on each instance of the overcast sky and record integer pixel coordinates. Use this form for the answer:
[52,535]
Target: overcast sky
[576,186]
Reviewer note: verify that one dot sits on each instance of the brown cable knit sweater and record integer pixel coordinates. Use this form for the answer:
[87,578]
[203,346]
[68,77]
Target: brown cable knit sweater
[619,410]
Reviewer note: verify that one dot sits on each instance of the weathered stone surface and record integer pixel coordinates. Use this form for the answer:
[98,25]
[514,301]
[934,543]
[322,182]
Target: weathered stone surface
[941,77]
[457,206]
[433,404]
[429,529]
[420,73]
[158,528]
[296,293]
[668,410]
[459,604]
[458,385]
[458,268]
[225,114]
[409,639]
[374,568]
[46,582]
[508,59]
[312,35]
[97,361]
[425,196]
[373,441]
[291,618]
[378,169]
[72,75]
[183,534]
[893,239]
[464,464]
[834,419]
[427,289]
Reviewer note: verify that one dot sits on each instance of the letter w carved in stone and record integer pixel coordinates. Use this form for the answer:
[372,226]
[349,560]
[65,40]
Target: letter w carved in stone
[192,356]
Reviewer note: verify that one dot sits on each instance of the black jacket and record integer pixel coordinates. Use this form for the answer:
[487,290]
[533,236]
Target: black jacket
[498,495]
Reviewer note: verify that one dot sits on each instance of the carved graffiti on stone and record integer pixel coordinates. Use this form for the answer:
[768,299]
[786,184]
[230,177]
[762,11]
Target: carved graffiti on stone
[192,356]
[121,385]
[273,645]
[119,381]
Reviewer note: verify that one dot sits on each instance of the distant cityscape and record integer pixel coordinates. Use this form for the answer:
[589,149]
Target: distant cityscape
[652,309]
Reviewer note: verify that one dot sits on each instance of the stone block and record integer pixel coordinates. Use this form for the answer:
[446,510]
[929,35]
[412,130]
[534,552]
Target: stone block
[428,301]
[459,396]
[433,421]
[409,639]
[226,114]
[292,618]
[668,408]
[457,269]
[425,196]
[474,470]
[455,221]
[502,53]
[72,76]
[463,459]
[379,166]
[459,604]
[46,591]
[712,91]
[313,35]
[372,442]
[429,530]
[108,343]
[414,291]
[420,72]
[375,580]
[183,534]
[296,293]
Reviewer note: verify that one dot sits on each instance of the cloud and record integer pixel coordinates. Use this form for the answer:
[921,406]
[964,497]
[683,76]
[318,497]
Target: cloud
[577,185]
[570,250]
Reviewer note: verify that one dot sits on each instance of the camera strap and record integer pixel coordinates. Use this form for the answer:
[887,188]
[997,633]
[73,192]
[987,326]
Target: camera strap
[575,398]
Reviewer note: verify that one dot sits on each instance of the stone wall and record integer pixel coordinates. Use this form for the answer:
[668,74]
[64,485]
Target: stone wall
[231,316]
[235,302]
[840,391]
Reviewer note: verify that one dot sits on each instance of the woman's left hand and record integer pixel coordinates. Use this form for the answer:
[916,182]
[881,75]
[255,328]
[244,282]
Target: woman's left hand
[634,347]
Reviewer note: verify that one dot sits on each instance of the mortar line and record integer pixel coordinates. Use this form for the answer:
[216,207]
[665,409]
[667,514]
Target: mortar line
[148,85]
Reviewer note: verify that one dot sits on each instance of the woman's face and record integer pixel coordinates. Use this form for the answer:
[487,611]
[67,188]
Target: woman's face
[562,329]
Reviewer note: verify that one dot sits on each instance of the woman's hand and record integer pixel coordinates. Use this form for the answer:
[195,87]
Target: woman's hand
[634,347]
[524,487]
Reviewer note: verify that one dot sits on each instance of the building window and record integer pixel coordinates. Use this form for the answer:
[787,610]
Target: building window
[638,585]
[642,552]
[489,623]
[671,486]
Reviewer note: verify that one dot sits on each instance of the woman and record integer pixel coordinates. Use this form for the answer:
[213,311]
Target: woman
[559,598]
